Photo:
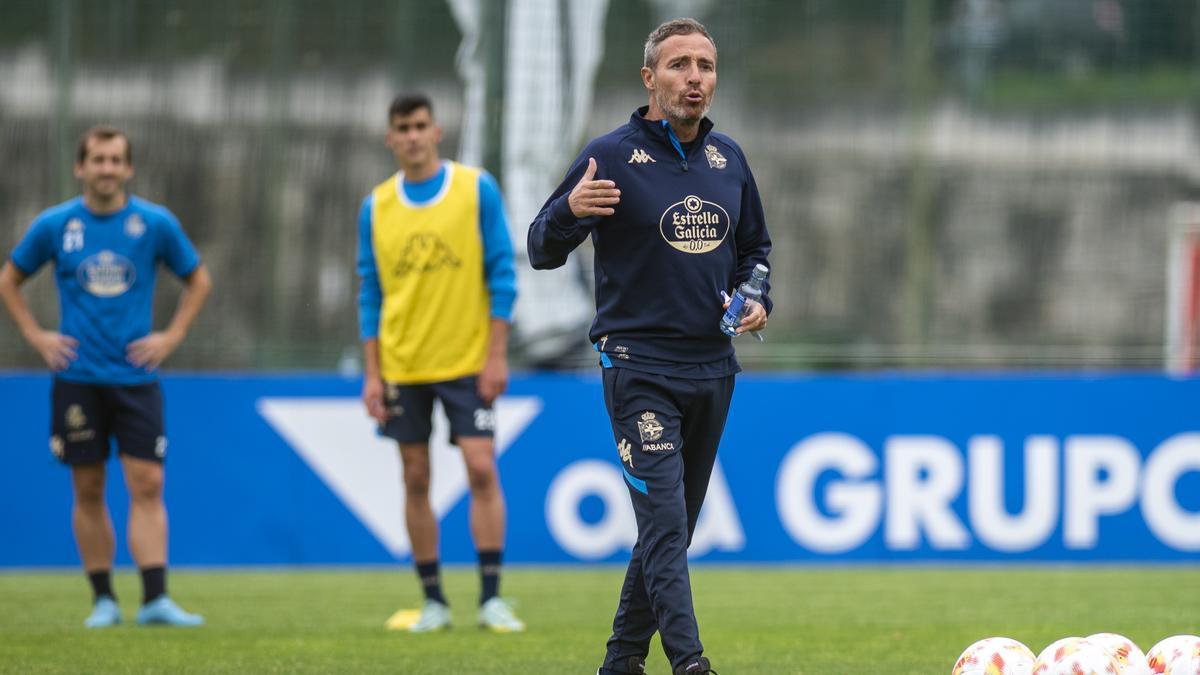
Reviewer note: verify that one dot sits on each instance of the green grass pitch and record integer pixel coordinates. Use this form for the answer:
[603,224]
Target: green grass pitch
[769,619]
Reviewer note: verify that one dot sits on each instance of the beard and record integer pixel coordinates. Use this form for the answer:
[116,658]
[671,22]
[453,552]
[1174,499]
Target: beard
[679,110]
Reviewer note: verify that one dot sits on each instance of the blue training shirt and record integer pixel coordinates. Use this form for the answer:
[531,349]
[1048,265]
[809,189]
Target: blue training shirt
[498,270]
[105,269]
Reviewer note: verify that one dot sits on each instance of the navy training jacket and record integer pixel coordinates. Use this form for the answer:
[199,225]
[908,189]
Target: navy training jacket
[689,225]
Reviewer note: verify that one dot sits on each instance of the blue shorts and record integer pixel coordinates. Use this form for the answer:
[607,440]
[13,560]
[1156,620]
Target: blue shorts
[410,410]
[85,417]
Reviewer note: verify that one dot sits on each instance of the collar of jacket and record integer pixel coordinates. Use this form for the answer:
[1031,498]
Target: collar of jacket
[655,128]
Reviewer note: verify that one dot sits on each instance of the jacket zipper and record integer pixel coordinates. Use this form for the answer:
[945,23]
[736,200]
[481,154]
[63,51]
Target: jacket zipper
[675,142]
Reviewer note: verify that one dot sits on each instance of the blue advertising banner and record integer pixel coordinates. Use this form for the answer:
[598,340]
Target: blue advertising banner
[288,470]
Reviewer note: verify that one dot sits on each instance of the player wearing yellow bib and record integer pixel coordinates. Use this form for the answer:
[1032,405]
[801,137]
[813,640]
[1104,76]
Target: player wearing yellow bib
[438,285]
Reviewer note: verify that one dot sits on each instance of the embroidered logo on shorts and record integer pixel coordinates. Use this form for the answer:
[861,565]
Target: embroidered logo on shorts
[75,418]
[391,392]
[76,421]
[485,419]
[626,451]
[649,428]
[160,447]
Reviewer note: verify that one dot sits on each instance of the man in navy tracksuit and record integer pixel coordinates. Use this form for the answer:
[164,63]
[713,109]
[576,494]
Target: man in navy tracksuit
[676,220]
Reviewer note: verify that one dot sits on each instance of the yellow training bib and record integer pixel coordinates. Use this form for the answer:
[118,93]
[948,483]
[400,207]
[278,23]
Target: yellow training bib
[434,322]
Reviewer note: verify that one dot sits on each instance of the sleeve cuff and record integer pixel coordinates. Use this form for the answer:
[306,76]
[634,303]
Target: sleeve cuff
[502,308]
[368,327]
[195,266]
[561,218]
[25,271]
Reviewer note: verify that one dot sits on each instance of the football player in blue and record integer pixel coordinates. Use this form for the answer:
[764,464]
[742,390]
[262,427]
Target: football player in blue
[676,221]
[106,246]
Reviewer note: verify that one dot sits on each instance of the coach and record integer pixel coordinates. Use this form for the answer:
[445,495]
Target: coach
[675,219]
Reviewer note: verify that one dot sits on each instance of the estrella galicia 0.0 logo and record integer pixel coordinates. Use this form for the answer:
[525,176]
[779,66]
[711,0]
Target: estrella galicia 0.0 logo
[694,225]
[106,274]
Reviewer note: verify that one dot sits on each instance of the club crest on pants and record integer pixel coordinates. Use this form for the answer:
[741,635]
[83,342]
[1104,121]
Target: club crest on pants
[649,427]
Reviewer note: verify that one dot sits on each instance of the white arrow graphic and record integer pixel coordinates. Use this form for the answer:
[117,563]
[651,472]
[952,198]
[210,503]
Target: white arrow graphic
[337,440]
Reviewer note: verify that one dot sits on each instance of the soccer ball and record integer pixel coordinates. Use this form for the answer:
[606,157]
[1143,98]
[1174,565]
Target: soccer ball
[1053,651]
[995,656]
[1130,659]
[1176,655]
[1075,656]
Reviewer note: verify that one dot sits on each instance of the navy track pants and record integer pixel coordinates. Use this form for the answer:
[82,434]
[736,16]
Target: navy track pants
[667,430]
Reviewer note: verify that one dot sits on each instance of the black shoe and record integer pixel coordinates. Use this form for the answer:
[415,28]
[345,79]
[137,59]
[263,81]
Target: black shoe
[696,666]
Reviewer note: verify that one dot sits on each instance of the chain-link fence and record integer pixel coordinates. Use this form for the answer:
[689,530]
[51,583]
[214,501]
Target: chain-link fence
[949,183]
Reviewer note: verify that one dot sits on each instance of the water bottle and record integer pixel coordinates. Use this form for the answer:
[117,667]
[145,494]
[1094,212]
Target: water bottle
[738,306]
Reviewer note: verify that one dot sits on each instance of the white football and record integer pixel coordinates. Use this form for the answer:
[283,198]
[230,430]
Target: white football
[1129,657]
[1060,647]
[1075,656]
[1176,655]
[995,656]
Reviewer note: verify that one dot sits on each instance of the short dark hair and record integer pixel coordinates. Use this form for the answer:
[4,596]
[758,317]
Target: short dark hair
[406,104]
[102,132]
[668,29]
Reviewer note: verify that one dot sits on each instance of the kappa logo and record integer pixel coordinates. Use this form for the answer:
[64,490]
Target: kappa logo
[640,156]
[73,236]
[649,427]
[425,253]
[626,451]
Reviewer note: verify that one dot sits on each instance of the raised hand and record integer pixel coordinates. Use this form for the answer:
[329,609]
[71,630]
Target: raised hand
[592,197]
